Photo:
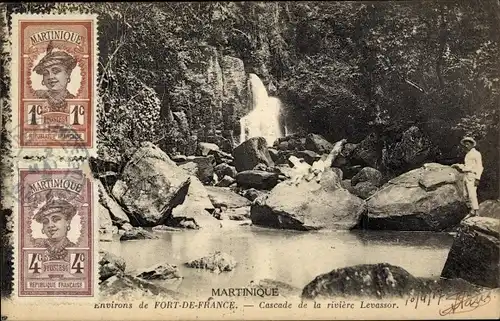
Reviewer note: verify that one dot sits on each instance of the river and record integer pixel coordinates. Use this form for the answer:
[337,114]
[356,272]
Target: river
[292,257]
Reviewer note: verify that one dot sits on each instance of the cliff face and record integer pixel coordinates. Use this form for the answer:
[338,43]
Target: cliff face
[219,85]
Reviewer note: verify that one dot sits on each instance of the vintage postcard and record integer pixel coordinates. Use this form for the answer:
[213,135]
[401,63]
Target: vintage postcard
[251,160]
[54,71]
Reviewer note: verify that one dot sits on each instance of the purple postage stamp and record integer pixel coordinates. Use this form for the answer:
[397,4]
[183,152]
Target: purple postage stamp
[55,219]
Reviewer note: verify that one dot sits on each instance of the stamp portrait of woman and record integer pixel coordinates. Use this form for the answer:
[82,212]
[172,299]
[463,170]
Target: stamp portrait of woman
[55,68]
[55,216]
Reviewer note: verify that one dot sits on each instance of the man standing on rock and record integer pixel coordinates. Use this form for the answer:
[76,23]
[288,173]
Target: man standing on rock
[472,169]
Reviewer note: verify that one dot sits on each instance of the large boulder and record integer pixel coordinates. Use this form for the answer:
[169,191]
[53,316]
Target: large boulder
[308,156]
[137,233]
[250,153]
[380,281]
[368,174]
[205,167]
[105,222]
[474,255]
[225,197]
[204,149]
[110,264]
[164,271]
[217,262]
[424,199]
[257,179]
[127,288]
[490,208]
[224,169]
[116,213]
[150,186]
[196,207]
[308,205]
[363,190]
[318,144]
[290,142]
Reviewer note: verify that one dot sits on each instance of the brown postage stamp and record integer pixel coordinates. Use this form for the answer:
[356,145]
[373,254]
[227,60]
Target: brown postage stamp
[54,69]
[55,232]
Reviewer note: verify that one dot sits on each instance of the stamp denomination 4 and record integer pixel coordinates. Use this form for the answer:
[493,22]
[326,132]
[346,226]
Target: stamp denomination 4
[55,233]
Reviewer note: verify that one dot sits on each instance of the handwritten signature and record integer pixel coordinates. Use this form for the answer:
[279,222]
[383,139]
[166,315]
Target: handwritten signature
[466,302]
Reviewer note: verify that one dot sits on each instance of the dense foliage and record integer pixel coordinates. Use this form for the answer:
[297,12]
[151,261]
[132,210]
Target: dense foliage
[343,69]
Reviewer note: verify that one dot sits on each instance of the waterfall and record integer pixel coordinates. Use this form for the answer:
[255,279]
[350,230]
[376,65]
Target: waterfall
[264,117]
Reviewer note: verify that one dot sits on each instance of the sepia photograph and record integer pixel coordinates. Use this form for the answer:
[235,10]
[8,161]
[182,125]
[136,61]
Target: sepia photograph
[250,160]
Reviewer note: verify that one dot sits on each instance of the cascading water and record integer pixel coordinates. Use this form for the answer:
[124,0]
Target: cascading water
[264,117]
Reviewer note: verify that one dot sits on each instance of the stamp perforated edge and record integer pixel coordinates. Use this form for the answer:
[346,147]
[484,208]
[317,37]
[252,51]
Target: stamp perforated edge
[75,153]
[14,196]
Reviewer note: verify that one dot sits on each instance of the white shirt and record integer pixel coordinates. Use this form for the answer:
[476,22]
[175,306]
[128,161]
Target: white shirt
[473,163]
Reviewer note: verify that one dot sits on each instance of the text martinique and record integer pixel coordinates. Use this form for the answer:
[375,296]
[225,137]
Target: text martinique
[261,292]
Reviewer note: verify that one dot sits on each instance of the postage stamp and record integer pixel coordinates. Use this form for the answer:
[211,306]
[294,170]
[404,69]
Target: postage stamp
[54,69]
[55,232]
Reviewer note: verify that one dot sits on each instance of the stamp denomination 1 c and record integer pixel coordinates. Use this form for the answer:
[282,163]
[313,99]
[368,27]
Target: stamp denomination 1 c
[54,74]
[55,233]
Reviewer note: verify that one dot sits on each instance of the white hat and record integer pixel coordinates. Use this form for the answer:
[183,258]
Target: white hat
[468,139]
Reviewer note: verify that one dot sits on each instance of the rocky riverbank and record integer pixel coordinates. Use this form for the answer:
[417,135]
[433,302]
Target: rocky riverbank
[261,186]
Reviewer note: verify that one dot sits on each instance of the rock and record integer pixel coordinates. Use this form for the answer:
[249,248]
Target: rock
[474,255]
[196,207]
[137,233]
[116,213]
[284,169]
[217,262]
[261,167]
[226,181]
[351,171]
[250,153]
[257,179]
[412,150]
[363,190]
[109,265]
[205,165]
[339,172]
[308,156]
[238,214]
[225,170]
[291,142]
[235,90]
[346,183]
[205,148]
[224,197]
[127,288]
[105,223]
[252,194]
[150,186]
[222,157]
[165,228]
[344,157]
[490,208]
[274,154]
[190,168]
[163,271]
[308,205]
[127,227]
[318,144]
[368,152]
[179,158]
[380,281]
[424,199]
[368,174]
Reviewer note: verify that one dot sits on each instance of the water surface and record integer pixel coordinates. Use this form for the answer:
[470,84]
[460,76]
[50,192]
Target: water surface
[288,256]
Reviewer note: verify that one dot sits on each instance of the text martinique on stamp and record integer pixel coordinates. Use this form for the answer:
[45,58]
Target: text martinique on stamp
[56,68]
[55,233]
